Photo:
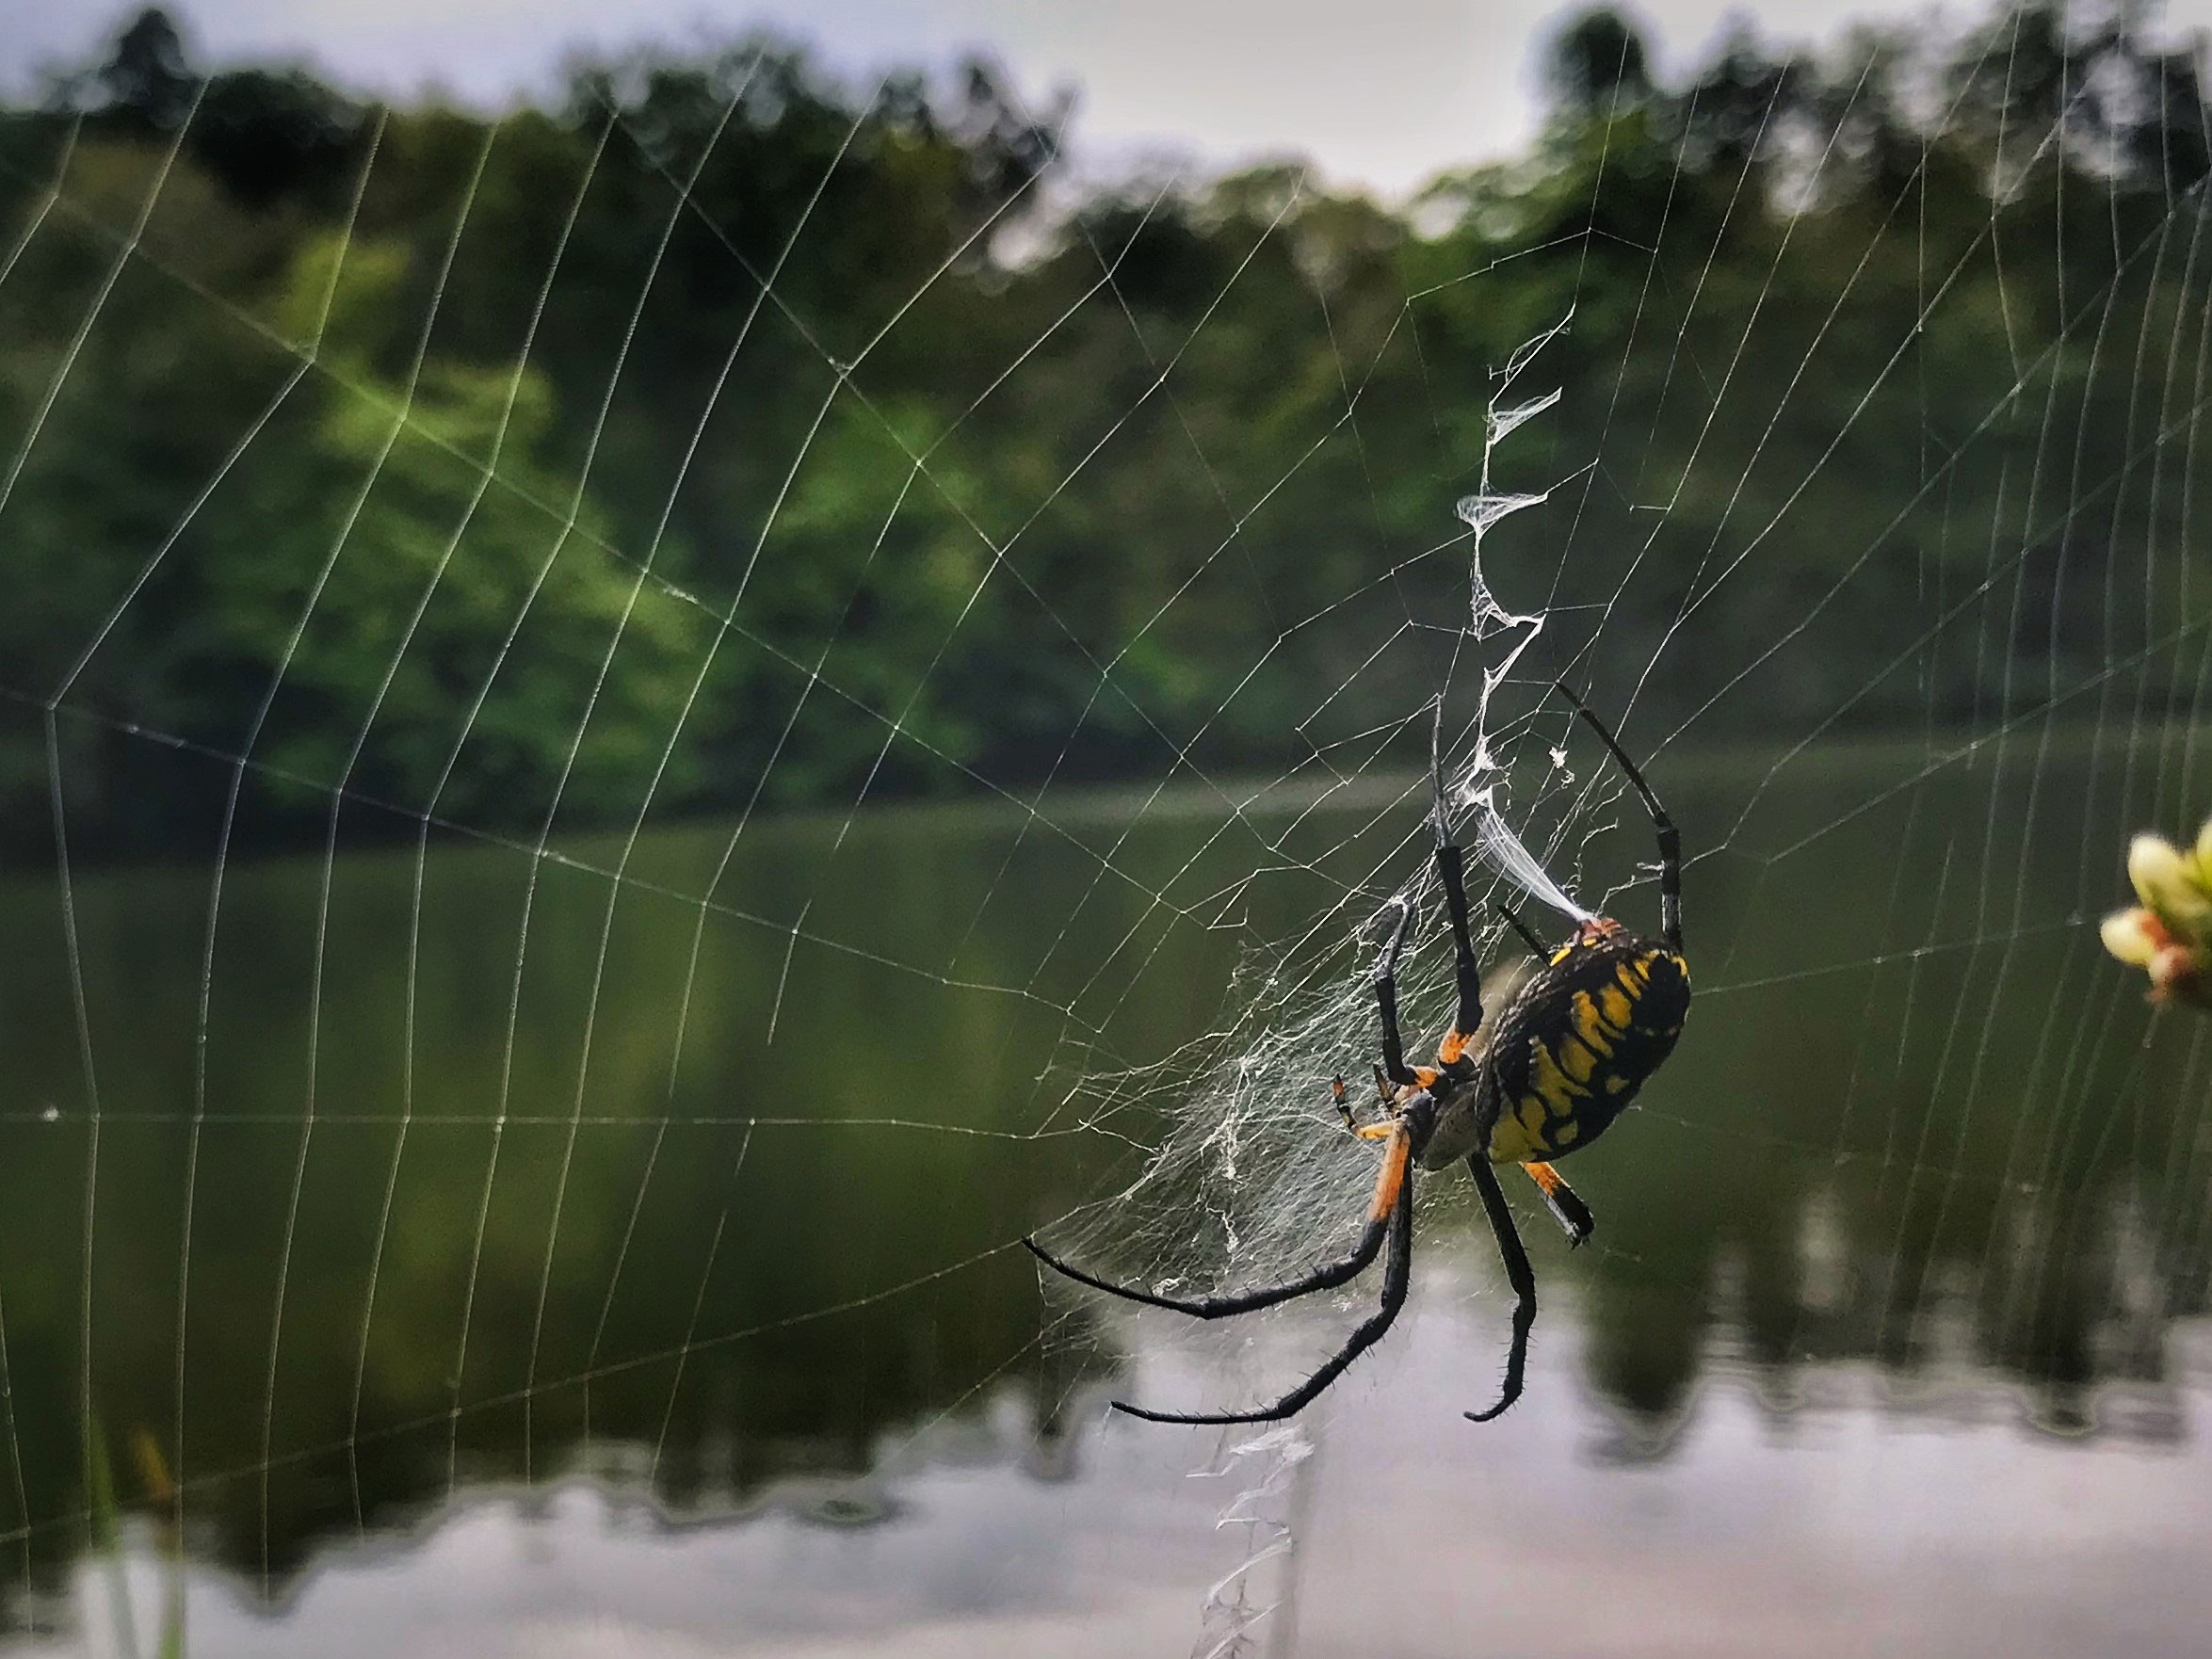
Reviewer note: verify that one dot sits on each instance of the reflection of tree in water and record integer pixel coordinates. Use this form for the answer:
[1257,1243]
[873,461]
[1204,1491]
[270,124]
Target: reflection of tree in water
[706,1370]
[1817,1273]
[1778,1202]
[1951,1162]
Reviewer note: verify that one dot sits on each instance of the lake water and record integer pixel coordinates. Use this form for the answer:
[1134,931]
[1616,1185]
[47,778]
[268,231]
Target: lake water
[449,1260]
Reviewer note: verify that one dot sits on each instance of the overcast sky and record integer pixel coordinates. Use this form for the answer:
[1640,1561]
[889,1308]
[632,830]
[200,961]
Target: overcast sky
[1382,92]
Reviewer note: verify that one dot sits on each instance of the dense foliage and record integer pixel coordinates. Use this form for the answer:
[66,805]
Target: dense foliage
[726,436]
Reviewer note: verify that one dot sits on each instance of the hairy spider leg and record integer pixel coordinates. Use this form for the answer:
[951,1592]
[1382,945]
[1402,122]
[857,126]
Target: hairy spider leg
[1396,1275]
[1394,1045]
[1527,935]
[1518,1273]
[1390,1217]
[1451,871]
[1392,1180]
[1341,1095]
[1662,826]
[1563,1201]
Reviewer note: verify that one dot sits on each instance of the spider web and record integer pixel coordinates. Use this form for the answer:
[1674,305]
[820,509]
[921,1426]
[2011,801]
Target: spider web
[486,1041]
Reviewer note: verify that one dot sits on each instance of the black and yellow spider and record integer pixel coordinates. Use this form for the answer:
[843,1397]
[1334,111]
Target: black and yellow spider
[1564,1058]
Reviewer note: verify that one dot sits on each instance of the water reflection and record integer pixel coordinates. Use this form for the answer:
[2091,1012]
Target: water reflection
[702,1206]
[1822,1530]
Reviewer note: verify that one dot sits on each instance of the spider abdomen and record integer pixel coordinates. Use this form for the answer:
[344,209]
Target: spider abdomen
[1569,1053]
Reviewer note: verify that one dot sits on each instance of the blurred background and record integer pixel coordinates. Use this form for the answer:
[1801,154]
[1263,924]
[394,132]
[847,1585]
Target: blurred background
[664,681]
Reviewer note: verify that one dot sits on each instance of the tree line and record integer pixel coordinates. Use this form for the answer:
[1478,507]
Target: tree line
[722,434]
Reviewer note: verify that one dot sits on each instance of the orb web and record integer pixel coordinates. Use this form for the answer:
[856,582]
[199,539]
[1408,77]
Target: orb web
[723,723]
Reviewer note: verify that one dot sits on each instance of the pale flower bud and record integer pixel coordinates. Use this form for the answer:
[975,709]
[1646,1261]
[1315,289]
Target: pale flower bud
[2170,938]
[2161,879]
[2133,936]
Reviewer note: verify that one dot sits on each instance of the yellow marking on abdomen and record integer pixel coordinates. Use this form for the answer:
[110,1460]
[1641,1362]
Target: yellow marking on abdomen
[1576,1058]
[1510,1143]
[1616,1006]
[1591,1025]
[1557,1091]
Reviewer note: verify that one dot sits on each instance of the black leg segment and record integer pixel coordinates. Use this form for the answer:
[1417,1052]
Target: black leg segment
[1394,1045]
[1451,870]
[1527,936]
[1669,838]
[1341,1271]
[1564,1203]
[1396,1275]
[1518,1273]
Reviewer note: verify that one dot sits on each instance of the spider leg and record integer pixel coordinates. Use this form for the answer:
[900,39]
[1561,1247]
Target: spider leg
[1451,871]
[1527,936]
[1394,1045]
[1518,1272]
[1394,1180]
[1563,1201]
[1352,1125]
[1397,1275]
[1669,838]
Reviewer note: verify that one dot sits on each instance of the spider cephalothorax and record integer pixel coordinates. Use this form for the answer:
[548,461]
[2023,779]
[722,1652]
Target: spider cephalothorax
[1560,1062]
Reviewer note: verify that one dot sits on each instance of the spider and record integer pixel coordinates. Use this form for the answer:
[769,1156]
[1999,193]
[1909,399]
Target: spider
[1561,1061]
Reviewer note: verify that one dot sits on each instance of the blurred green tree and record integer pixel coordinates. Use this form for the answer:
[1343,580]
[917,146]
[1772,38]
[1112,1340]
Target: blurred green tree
[822,441]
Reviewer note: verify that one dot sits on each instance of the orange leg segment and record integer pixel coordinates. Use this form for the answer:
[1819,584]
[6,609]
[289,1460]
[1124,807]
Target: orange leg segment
[1395,1156]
